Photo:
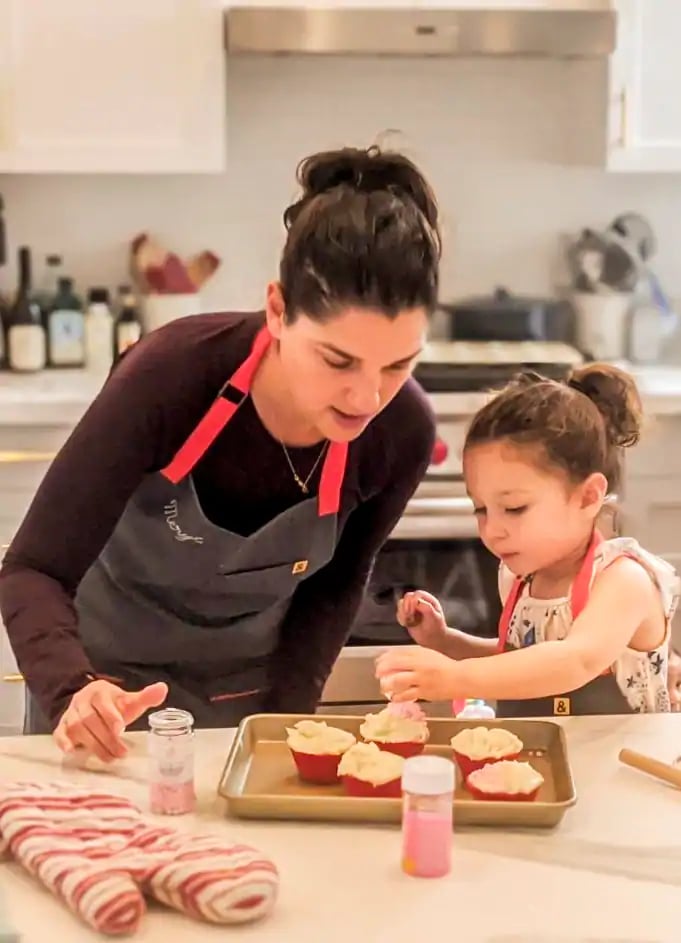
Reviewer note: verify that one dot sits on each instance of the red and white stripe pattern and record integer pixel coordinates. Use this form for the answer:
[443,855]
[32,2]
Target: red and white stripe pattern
[98,854]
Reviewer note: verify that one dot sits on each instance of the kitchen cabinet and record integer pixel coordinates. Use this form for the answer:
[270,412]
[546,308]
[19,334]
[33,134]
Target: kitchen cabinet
[25,455]
[122,87]
[644,108]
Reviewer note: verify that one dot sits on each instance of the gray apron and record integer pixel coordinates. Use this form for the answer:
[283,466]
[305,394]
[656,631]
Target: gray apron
[600,696]
[174,598]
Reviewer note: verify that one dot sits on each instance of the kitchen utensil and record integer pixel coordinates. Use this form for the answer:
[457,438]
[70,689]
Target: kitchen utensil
[647,764]
[260,781]
[161,308]
[602,323]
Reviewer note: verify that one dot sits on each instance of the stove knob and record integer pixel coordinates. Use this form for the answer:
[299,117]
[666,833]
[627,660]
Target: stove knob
[440,452]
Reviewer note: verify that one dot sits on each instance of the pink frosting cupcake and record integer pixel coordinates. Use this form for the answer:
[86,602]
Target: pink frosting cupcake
[398,728]
[505,781]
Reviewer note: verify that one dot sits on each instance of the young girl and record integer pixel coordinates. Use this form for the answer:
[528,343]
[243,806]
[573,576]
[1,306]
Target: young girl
[586,621]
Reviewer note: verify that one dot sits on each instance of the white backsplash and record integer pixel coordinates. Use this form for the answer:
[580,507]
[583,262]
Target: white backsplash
[495,138]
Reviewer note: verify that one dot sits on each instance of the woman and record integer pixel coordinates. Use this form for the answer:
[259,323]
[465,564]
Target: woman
[206,533]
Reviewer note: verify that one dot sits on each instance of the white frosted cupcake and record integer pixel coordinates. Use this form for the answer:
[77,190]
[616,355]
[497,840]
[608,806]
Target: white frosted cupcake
[505,781]
[398,728]
[317,749]
[476,747]
[368,771]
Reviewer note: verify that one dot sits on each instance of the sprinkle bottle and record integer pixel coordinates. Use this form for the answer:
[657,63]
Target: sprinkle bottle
[476,708]
[427,816]
[171,762]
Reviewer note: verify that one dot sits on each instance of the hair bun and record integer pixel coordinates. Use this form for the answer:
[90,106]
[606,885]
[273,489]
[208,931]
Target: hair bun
[613,392]
[364,170]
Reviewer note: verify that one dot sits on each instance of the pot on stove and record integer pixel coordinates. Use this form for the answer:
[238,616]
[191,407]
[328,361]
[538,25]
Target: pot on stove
[503,316]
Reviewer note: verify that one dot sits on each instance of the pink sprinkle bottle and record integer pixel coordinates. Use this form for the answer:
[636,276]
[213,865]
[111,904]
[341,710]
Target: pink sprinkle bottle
[171,766]
[427,816]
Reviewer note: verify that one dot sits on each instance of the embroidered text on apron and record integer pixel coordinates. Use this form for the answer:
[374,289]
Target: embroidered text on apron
[600,696]
[174,598]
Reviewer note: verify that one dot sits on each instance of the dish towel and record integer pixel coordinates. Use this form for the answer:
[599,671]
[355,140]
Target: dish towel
[99,854]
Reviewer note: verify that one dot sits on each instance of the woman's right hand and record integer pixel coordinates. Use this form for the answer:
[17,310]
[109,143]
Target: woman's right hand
[422,616]
[98,714]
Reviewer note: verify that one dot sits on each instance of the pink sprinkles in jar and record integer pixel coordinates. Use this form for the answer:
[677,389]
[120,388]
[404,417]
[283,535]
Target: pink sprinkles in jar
[171,756]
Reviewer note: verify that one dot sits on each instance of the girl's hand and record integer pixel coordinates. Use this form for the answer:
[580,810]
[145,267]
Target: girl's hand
[422,616]
[411,673]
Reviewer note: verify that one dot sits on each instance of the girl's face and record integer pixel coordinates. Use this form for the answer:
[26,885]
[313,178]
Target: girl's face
[530,516]
[342,372]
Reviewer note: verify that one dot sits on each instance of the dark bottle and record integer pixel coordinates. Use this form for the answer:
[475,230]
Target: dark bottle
[66,327]
[26,348]
[128,328]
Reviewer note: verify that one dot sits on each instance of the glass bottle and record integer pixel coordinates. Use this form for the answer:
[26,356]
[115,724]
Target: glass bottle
[171,761]
[427,816]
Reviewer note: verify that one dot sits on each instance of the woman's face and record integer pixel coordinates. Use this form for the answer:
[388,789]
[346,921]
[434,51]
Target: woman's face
[342,372]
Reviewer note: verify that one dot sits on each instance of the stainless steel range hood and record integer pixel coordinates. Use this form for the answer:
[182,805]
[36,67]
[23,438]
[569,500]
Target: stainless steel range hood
[528,28]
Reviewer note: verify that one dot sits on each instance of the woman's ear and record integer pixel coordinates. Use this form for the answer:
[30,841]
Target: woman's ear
[275,309]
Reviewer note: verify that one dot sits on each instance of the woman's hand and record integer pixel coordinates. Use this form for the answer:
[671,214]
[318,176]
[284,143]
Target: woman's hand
[422,616]
[412,673]
[98,714]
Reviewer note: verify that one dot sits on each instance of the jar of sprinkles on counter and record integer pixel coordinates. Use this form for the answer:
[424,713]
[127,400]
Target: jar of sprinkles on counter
[427,816]
[171,762]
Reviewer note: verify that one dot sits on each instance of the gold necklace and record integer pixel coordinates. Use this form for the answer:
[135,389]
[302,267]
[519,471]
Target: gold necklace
[303,485]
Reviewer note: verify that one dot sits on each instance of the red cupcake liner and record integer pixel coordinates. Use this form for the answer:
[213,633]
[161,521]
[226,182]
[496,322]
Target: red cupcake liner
[468,765]
[502,796]
[320,769]
[358,787]
[406,748]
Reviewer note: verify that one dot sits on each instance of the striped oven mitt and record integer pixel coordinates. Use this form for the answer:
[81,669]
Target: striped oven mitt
[98,854]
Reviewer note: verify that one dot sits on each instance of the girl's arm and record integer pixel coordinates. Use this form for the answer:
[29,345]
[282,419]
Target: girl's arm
[622,597]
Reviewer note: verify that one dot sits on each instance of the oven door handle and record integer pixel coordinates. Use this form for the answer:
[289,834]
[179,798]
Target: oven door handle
[440,507]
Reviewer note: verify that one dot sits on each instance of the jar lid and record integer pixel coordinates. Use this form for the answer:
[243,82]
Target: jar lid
[171,719]
[428,775]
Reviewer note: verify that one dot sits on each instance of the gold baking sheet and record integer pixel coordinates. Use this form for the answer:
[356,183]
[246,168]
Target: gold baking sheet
[260,781]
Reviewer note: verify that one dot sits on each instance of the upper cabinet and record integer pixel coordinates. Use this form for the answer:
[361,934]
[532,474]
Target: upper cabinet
[644,119]
[123,86]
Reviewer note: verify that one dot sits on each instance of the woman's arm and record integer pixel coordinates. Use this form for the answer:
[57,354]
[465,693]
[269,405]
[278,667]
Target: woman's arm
[73,513]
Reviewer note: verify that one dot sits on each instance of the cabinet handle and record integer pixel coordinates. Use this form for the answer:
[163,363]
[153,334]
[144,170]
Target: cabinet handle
[25,456]
[13,679]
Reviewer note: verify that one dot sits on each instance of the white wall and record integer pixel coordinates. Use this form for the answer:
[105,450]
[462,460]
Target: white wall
[494,136]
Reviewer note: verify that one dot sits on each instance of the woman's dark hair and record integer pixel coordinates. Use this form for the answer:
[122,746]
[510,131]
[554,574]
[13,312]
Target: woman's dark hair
[580,426]
[364,232]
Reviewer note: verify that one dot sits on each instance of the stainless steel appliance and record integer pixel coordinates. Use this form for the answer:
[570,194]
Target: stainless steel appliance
[435,545]
[537,28]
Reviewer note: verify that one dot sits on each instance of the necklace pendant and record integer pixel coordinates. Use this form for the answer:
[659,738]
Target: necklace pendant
[301,484]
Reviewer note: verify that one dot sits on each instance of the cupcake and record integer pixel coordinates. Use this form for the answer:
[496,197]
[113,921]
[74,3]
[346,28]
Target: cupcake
[317,749]
[476,747]
[398,728]
[506,781]
[370,772]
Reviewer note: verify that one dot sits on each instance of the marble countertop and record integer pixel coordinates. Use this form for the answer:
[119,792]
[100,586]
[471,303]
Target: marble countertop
[60,397]
[611,872]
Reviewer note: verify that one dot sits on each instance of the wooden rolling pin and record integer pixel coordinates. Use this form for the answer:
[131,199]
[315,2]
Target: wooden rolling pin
[664,771]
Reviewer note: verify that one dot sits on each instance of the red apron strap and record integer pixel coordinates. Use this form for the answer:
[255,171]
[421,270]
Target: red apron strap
[231,396]
[579,595]
[331,481]
[507,612]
